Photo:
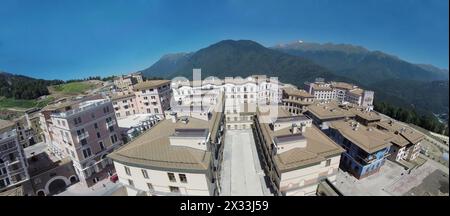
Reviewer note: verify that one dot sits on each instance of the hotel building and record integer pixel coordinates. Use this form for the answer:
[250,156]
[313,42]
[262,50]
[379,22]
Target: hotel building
[341,92]
[13,166]
[86,131]
[153,96]
[406,141]
[296,100]
[180,155]
[125,104]
[126,82]
[297,156]
[366,146]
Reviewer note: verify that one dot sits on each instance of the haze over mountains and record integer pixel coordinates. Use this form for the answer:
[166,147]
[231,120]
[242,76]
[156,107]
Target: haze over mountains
[364,65]
[418,86]
[421,87]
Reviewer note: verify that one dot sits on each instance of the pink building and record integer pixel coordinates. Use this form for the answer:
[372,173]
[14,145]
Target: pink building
[86,131]
[125,104]
[153,96]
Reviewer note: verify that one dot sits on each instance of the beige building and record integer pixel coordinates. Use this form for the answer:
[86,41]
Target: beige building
[324,113]
[153,96]
[297,155]
[13,166]
[126,82]
[296,100]
[86,131]
[178,156]
[406,141]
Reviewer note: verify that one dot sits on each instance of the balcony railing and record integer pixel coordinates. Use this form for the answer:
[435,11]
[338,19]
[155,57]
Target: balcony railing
[83,136]
[110,123]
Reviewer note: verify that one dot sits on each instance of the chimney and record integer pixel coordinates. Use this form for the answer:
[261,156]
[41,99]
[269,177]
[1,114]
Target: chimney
[303,127]
[295,129]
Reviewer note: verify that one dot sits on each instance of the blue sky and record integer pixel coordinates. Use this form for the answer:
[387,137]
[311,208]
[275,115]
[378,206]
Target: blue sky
[67,39]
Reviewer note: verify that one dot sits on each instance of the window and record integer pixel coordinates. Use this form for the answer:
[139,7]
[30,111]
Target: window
[80,132]
[93,115]
[12,157]
[328,162]
[150,186]
[98,135]
[171,177]
[127,170]
[83,142]
[111,129]
[156,110]
[174,189]
[95,125]
[102,146]
[144,173]
[87,152]
[113,138]
[183,178]
[130,182]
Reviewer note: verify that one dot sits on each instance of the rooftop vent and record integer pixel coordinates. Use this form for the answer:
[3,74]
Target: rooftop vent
[185,120]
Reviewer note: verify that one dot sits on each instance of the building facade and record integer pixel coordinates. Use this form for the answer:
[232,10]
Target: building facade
[366,147]
[180,155]
[296,101]
[153,96]
[126,82]
[13,166]
[125,104]
[297,156]
[85,131]
[406,142]
[341,92]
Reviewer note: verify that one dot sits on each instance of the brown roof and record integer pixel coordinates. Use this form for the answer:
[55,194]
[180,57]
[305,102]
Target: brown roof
[150,84]
[342,85]
[320,87]
[122,96]
[370,139]
[357,91]
[403,135]
[153,149]
[329,110]
[319,147]
[367,115]
[297,92]
[5,124]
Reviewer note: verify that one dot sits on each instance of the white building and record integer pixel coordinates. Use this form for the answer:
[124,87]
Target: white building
[178,156]
[297,155]
[341,92]
[13,166]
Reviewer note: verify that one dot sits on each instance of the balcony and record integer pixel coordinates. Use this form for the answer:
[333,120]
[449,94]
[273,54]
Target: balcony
[110,123]
[83,136]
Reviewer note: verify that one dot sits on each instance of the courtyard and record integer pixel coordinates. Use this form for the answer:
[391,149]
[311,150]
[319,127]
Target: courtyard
[393,180]
[242,174]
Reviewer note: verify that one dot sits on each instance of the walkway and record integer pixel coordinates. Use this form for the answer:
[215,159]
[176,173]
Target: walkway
[241,172]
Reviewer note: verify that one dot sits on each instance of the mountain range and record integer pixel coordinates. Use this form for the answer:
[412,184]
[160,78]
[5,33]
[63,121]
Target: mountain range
[421,87]
[361,64]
